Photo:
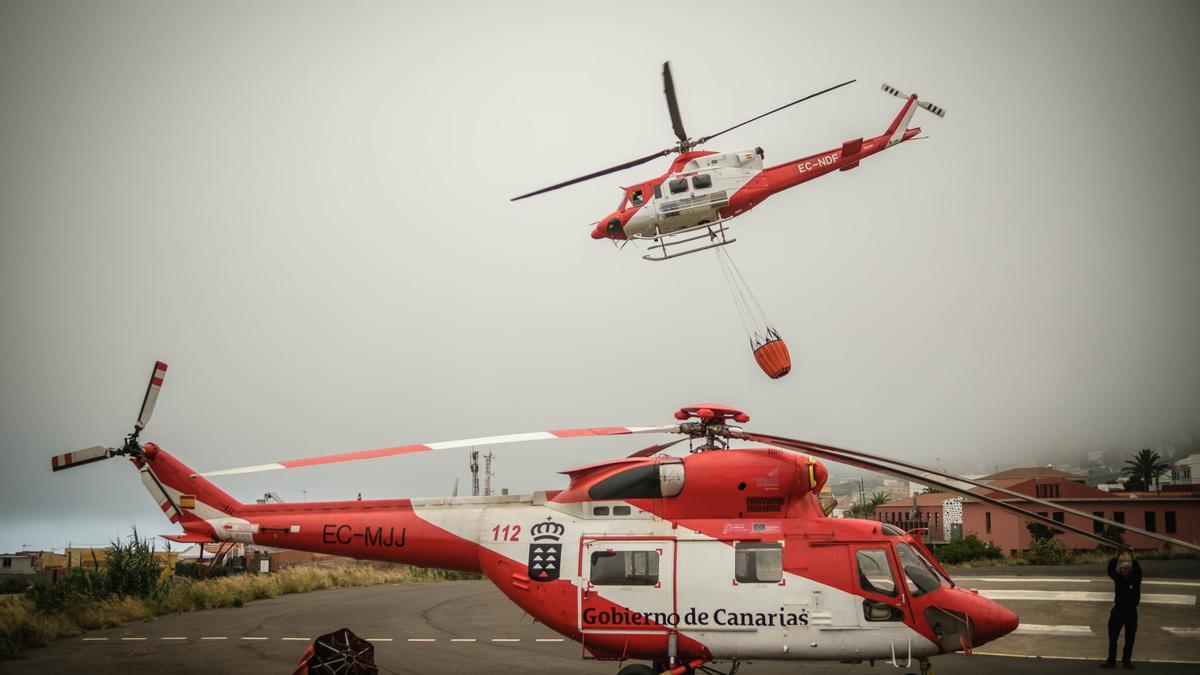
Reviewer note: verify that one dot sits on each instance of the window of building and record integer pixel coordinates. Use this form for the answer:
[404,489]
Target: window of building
[875,573]
[987,522]
[1169,521]
[1047,491]
[1152,521]
[622,510]
[8,562]
[1119,516]
[678,185]
[1097,526]
[624,568]
[599,510]
[1058,516]
[758,563]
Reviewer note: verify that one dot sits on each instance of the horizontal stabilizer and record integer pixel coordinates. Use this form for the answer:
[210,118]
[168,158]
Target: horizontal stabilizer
[189,538]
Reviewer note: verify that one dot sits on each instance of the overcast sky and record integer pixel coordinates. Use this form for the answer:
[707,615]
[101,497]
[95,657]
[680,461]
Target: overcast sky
[304,209]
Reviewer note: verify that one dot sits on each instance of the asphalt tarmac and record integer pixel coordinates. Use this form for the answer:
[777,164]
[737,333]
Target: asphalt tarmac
[469,627]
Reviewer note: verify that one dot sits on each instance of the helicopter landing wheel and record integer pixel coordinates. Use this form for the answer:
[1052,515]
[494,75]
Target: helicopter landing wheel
[637,669]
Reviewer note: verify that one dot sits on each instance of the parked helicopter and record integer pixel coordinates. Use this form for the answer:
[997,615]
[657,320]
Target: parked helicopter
[725,554]
[688,206]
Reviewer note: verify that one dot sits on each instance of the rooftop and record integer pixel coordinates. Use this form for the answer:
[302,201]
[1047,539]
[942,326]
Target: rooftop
[1027,472]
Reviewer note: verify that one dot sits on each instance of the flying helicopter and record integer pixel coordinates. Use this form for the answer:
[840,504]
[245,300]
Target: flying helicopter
[722,555]
[686,209]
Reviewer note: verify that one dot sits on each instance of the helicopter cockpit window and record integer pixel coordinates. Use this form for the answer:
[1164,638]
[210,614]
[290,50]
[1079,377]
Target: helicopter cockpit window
[758,563]
[701,181]
[917,574]
[658,191]
[678,185]
[624,568]
[875,573]
[636,199]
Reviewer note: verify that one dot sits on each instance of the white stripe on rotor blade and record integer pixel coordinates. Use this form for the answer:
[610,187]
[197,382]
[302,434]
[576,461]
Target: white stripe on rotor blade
[1053,630]
[1182,631]
[1083,596]
[492,440]
[274,466]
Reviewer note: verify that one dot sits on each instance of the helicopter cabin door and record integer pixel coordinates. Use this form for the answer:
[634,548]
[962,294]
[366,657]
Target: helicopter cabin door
[628,585]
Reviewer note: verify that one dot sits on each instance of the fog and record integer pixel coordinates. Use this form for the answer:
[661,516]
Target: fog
[304,209]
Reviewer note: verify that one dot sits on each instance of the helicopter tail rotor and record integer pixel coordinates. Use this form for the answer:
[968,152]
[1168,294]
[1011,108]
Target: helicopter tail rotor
[936,110]
[96,453]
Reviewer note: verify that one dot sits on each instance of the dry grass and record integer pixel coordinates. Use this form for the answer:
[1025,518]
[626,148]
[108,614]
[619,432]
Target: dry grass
[22,626]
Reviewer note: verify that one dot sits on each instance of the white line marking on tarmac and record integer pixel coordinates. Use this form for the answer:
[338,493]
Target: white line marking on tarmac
[1029,579]
[295,639]
[549,640]
[214,638]
[422,639]
[172,638]
[1076,580]
[506,639]
[1082,596]
[378,639]
[1076,658]
[132,639]
[245,637]
[1181,631]
[1053,630]
[462,639]
[1194,584]
[94,639]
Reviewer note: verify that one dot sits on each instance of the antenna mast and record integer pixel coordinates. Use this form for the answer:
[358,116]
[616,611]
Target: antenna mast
[487,474]
[474,472]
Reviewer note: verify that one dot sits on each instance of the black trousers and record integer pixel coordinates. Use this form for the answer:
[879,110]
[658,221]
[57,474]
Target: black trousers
[1121,617]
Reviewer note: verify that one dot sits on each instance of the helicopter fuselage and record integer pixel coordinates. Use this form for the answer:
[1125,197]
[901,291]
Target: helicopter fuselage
[722,554]
[704,187]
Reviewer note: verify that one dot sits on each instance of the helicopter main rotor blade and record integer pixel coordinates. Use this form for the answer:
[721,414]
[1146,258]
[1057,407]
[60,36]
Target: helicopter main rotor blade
[151,397]
[916,472]
[446,445]
[705,139]
[603,172]
[672,104]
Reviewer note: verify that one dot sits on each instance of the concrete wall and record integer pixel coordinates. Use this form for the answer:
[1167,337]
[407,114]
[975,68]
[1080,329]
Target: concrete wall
[1008,531]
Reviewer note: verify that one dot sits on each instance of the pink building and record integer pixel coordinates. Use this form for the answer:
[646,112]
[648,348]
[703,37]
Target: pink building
[1175,515]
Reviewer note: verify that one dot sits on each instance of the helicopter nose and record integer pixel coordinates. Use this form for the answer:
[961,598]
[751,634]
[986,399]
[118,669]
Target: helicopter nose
[608,227]
[993,621]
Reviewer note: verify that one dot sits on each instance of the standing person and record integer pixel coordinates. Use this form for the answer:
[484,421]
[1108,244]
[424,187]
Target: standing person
[1126,574]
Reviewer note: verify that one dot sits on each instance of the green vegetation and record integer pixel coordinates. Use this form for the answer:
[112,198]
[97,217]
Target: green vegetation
[867,509]
[129,589]
[968,549]
[1143,470]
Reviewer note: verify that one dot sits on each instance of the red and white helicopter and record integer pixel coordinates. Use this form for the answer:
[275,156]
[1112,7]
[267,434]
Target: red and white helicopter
[725,554]
[688,206]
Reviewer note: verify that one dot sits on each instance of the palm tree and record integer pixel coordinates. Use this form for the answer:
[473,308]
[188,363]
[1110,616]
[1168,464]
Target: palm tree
[1145,468]
[867,509]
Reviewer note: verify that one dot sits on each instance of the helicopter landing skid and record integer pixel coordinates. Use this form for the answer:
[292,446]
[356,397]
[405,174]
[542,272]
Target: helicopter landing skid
[715,232]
